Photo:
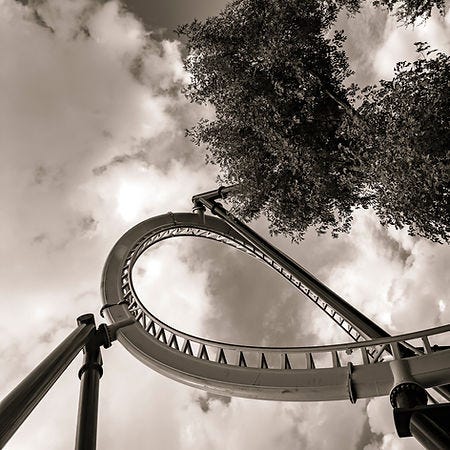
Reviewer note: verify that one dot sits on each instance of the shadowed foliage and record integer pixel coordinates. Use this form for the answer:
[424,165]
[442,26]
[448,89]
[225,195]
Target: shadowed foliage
[409,174]
[276,82]
[285,126]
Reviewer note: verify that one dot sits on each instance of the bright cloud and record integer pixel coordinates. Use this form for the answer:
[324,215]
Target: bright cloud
[92,139]
[381,422]
[397,44]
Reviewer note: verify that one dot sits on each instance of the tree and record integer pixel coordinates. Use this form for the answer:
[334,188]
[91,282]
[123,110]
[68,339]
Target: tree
[285,128]
[410,173]
[276,82]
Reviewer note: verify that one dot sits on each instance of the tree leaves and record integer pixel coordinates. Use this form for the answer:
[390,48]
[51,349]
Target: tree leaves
[409,175]
[287,131]
[409,11]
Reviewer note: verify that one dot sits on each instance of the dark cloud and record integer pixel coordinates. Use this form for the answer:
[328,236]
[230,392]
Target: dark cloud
[40,174]
[169,14]
[205,400]
[391,247]
[368,437]
[40,21]
[39,238]
[87,223]
[46,175]
[118,160]
[250,303]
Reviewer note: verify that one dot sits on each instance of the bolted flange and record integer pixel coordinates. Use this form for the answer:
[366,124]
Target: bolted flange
[408,395]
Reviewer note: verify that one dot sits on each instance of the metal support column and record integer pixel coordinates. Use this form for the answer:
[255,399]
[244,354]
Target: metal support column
[428,424]
[19,403]
[432,433]
[89,374]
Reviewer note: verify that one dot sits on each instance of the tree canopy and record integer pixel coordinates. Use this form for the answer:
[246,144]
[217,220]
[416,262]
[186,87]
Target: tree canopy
[409,173]
[286,128]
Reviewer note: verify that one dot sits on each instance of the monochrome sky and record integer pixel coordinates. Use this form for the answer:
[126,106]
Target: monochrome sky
[92,123]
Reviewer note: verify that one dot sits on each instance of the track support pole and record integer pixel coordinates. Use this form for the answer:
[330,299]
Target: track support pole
[19,403]
[432,432]
[89,374]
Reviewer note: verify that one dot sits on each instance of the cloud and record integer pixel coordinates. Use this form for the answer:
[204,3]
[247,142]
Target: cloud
[365,33]
[407,277]
[73,102]
[265,425]
[376,42]
[249,303]
[205,400]
[92,142]
[171,288]
[72,108]
[381,421]
[398,42]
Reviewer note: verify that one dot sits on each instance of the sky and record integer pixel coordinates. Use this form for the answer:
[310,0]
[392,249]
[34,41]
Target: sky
[92,123]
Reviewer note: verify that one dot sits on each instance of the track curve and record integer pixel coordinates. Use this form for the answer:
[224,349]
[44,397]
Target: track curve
[272,373]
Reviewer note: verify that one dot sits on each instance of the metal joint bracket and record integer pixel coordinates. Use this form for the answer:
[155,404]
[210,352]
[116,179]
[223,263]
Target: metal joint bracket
[215,194]
[115,327]
[90,365]
[200,210]
[104,336]
[107,334]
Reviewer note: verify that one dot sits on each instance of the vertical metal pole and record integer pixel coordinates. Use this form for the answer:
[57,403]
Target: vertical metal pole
[90,374]
[19,403]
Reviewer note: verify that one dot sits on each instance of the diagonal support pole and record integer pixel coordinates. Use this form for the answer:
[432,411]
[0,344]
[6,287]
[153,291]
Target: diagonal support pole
[21,401]
[366,327]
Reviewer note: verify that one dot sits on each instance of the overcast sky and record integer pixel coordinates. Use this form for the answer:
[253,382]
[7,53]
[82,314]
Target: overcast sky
[92,141]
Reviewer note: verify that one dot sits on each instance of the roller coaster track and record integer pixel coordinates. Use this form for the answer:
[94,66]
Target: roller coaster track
[362,369]
[375,364]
